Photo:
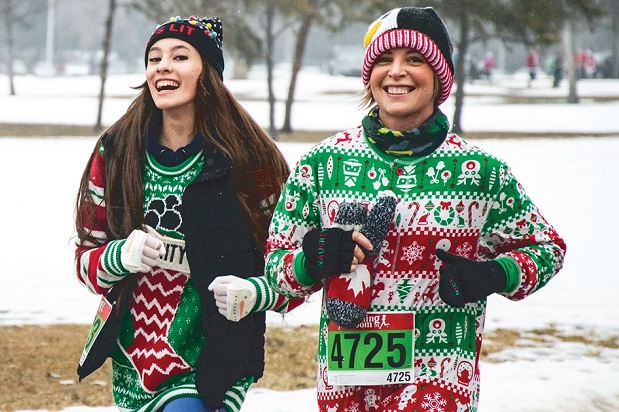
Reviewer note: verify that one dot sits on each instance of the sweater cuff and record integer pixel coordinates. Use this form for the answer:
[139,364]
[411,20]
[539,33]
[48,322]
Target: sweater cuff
[110,259]
[512,273]
[265,296]
[300,273]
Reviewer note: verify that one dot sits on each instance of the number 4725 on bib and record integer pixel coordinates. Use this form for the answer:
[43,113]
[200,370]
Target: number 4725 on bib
[378,352]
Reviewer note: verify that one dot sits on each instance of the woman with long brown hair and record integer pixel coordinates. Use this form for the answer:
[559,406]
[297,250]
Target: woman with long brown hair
[178,191]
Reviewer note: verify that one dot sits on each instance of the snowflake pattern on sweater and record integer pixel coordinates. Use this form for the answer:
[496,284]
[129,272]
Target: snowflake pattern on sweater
[459,198]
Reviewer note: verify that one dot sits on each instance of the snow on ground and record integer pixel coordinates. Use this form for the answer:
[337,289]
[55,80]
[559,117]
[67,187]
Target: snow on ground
[572,180]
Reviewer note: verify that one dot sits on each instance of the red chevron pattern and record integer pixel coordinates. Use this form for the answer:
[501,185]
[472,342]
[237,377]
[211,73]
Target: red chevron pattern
[154,307]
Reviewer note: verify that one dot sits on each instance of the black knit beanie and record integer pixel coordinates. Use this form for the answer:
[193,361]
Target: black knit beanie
[205,34]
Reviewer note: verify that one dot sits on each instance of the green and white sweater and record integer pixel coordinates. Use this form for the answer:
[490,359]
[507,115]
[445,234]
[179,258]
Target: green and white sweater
[458,197]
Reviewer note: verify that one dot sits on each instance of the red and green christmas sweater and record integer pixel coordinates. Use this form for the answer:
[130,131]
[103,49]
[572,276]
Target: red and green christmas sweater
[459,198]
[160,337]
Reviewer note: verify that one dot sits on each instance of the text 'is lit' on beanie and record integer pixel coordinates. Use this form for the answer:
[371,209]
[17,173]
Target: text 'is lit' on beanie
[205,34]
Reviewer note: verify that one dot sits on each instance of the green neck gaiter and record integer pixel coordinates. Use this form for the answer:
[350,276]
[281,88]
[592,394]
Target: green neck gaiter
[415,142]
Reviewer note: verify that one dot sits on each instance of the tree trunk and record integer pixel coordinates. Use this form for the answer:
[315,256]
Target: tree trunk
[302,36]
[568,46]
[107,40]
[51,29]
[615,67]
[269,60]
[460,75]
[8,27]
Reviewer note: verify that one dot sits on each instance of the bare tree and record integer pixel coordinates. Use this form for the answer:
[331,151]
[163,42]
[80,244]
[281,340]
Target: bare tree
[8,31]
[613,8]
[299,51]
[331,14]
[270,40]
[14,12]
[568,52]
[515,21]
[107,39]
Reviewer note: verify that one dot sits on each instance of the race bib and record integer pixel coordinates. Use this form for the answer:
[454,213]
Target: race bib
[379,351]
[103,313]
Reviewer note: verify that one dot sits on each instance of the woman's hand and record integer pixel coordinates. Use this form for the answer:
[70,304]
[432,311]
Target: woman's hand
[234,297]
[140,251]
[363,245]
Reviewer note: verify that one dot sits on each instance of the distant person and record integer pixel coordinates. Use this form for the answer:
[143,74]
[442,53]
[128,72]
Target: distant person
[463,229]
[557,70]
[473,68]
[180,190]
[589,64]
[580,58]
[488,65]
[532,64]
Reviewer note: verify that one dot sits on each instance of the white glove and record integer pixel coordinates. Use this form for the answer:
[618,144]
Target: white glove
[234,297]
[140,252]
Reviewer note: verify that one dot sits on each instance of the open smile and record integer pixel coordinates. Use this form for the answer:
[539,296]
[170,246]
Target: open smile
[398,90]
[162,85]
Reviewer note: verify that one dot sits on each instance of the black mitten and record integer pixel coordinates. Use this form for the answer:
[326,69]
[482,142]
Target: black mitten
[464,280]
[328,252]
[379,219]
[349,295]
[351,216]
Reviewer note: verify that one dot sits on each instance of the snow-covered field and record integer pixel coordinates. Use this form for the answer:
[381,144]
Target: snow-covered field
[574,181]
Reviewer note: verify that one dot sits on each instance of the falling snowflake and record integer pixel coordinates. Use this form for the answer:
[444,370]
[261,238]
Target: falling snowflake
[434,402]
[412,252]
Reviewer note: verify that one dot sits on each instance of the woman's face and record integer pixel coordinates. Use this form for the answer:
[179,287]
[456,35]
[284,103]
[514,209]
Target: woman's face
[172,73]
[402,84]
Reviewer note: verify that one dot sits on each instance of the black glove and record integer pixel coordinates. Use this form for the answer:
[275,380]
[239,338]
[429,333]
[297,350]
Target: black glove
[464,280]
[328,252]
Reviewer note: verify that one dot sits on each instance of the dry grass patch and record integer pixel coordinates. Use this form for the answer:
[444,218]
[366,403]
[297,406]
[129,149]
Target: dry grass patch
[51,130]
[38,367]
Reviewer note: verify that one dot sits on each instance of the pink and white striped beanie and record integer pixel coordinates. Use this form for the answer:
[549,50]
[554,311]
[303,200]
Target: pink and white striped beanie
[416,28]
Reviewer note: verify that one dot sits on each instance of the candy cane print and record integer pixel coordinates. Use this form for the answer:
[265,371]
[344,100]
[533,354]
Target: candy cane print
[416,204]
[476,204]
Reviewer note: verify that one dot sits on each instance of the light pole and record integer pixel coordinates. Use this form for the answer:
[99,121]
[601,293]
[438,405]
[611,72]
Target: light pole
[49,40]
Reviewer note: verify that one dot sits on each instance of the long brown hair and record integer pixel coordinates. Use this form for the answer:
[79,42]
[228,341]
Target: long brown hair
[223,122]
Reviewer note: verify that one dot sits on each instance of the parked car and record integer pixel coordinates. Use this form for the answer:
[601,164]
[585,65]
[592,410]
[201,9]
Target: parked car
[19,67]
[44,68]
[346,61]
